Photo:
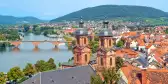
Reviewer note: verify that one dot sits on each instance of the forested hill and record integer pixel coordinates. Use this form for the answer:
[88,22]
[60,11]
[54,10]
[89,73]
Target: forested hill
[113,11]
[18,20]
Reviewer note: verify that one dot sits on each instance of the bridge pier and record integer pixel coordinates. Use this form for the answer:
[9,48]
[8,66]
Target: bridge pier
[15,49]
[55,49]
[36,44]
[56,43]
[36,49]
[16,43]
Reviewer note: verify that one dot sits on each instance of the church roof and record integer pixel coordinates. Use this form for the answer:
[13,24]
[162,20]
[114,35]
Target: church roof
[81,32]
[75,75]
[105,32]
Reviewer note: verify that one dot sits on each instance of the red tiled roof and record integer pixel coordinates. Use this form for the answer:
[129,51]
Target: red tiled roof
[142,36]
[135,75]
[141,42]
[148,46]
[69,30]
[129,52]
[127,69]
[129,34]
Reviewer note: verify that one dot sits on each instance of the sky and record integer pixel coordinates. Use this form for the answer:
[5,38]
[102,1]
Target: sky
[51,9]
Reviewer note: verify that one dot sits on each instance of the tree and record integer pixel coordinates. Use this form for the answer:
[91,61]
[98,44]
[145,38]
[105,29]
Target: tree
[41,66]
[29,70]
[37,30]
[2,38]
[59,64]
[2,78]
[119,63]
[96,38]
[22,80]
[96,80]
[15,73]
[110,76]
[34,27]
[94,45]
[120,43]
[26,27]
[51,64]
[73,42]
[166,31]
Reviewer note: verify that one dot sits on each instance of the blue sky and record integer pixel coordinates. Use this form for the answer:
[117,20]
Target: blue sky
[50,9]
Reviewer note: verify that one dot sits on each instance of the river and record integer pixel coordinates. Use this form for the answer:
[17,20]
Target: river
[26,53]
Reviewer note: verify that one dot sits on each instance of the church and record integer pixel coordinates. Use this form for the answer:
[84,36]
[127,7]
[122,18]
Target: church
[105,56]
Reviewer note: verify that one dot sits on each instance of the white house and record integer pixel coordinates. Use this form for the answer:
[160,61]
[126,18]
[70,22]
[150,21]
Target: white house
[133,44]
[150,47]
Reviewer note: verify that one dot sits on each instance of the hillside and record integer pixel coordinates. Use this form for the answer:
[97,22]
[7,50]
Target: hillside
[113,11]
[18,20]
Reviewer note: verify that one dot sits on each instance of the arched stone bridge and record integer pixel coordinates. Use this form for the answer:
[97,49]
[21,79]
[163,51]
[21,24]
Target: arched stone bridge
[36,43]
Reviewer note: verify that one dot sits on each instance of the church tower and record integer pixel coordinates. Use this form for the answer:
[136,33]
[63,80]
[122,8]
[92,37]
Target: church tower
[105,54]
[81,50]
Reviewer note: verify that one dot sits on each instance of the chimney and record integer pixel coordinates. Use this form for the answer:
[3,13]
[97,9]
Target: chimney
[144,76]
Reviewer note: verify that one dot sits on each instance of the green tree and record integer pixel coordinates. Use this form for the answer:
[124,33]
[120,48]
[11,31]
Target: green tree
[111,76]
[35,26]
[26,27]
[96,38]
[22,80]
[166,31]
[120,43]
[2,78]
[15,73]
[119,63]
[73,42]
[29,70]
[2,38]
[41,66]
[59,64]
[96,80]
[94,45]
[37,30]
[51,64]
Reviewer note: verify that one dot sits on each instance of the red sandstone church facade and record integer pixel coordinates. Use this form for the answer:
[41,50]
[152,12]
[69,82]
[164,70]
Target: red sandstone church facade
[82,52]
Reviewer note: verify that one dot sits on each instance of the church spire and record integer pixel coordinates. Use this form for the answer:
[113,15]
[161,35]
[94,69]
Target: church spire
[105,23]
[81,23]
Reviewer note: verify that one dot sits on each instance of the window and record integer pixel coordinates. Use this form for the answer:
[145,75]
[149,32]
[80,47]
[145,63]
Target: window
[102,42]
[78,40]
[77,57]
[101,60]
[86,58]
[84,40]
[110,42]
[110,61]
